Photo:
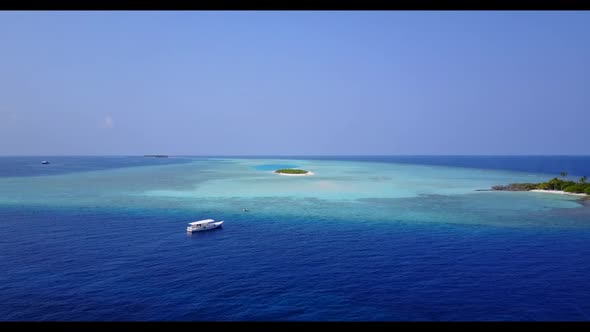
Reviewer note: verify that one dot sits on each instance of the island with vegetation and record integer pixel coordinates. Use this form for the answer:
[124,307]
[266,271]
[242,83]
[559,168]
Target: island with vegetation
[581,188]
[292,171]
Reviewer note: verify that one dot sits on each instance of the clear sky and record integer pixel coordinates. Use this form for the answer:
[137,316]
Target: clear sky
[294,83]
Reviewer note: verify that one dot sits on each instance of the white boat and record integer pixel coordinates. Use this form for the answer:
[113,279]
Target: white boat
[203,225]
[44,162]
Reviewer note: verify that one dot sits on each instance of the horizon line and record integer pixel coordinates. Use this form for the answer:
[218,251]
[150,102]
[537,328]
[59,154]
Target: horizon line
[298,155]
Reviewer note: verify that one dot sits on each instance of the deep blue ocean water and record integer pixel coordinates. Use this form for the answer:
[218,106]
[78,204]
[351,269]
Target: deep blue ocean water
[86,263]
[573,165]
[31,166]
[272,167]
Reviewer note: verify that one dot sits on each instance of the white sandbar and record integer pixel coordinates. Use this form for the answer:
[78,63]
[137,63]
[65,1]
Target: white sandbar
[285,174]
[561,192]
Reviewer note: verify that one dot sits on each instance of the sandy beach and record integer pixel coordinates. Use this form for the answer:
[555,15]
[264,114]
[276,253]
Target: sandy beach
[561,192]
[306,174]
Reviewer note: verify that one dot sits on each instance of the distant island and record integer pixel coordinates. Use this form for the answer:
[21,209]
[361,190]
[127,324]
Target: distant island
[156,155]
[293,172]
[555,185]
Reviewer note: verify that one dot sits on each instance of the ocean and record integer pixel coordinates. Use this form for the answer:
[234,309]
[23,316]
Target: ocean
[377,238]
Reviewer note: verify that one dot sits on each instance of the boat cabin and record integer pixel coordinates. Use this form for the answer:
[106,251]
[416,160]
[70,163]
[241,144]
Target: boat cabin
[203,225]
[201,222]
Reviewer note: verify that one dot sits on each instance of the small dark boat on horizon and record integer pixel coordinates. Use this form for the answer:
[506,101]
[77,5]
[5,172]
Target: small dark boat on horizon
[44,162]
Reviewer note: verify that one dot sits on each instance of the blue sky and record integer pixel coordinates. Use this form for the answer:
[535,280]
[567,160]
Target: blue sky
[294,83]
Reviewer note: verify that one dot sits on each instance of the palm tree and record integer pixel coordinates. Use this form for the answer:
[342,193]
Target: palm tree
[583,179]
[563,174]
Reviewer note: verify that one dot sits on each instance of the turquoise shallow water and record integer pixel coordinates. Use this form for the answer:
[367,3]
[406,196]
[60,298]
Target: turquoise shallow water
[359,240]
[338,190]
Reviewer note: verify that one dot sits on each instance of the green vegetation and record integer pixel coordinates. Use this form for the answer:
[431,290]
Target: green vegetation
[291,171]
[517,187]
[575,188]
[554,184]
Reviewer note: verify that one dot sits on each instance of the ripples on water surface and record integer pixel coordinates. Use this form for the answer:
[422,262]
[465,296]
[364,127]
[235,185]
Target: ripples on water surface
[104,239]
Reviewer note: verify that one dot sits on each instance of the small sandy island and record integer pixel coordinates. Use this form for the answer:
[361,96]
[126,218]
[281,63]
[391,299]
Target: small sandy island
[293,172]
[561,192]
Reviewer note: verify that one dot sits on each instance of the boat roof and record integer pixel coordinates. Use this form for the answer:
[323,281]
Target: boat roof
[204,221]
